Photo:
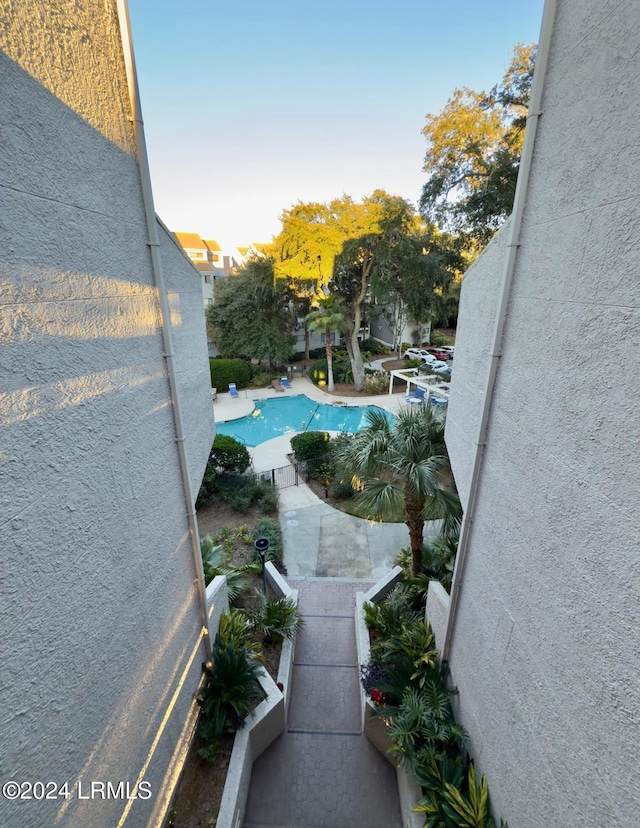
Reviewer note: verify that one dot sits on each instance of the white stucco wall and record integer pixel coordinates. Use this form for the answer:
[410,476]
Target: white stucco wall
[99,614]
[545,653]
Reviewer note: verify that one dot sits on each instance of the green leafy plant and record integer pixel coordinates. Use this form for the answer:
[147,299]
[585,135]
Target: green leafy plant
[228,455]
[310,444]
[224,371]
[235,628]
[230,690]
[215,561]
[275,618]
[270,529]
[243,533]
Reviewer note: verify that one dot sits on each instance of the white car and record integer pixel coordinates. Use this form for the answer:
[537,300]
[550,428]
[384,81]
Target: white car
[419,353]
[450,349]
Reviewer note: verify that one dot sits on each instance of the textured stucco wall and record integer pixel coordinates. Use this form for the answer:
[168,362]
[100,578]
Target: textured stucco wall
[100,621]
[547,638]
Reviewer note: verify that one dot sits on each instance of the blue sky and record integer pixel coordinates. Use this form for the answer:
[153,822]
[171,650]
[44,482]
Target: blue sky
[250,107]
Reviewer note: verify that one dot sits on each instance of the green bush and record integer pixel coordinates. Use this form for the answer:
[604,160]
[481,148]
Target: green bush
[310,444]
[224,371]
[230,690]
[275,618]
[317,353]
[229,455]
[438,339]
[262,379]
[270,529]
[318,371]
[341,489]
[215,561]
[268,499]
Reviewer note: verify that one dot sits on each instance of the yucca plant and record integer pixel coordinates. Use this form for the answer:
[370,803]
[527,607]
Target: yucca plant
[215,561]
[275,618]
[230,690]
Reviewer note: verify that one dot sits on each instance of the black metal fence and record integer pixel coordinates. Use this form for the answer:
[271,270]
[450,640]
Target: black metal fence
[293,474]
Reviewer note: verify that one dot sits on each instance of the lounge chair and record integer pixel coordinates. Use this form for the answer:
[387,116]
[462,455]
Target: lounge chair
[233,391]
[277,385]
[285,382]
[415,397]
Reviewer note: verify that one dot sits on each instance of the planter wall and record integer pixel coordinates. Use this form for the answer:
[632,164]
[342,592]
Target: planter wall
[264,724]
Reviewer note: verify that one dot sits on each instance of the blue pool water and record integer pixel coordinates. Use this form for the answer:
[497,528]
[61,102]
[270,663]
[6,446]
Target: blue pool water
[290,415]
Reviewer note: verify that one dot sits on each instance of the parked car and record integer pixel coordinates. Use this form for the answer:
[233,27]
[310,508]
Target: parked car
[440,353]
[450,349]
[419,353]
[441,368]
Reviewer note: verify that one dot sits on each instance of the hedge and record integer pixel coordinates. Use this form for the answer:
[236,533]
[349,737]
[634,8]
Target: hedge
[224,371]
[310,444]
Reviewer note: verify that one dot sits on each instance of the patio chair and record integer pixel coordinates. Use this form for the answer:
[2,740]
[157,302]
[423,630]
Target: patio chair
[415,397]
[233,391]
[277,385]
[285,382]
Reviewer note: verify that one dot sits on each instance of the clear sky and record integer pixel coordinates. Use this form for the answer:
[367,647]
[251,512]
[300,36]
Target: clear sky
[251,106]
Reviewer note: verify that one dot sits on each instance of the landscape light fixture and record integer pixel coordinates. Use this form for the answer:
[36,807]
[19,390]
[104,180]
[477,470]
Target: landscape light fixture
[261,546]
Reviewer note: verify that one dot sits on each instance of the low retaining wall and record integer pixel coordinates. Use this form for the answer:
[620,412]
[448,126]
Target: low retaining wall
[374,729]
[262,726]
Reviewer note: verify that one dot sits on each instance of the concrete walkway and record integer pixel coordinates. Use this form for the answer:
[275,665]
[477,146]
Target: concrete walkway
[323,772]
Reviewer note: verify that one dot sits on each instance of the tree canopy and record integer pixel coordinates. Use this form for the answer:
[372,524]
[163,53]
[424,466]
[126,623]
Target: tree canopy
[401,464]
[377,249]
[251,315]
[473,153]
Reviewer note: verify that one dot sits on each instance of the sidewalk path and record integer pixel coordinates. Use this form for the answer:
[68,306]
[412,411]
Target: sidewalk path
[323,772]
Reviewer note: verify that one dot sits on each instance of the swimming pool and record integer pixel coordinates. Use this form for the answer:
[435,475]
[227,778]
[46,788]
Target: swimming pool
[290,415]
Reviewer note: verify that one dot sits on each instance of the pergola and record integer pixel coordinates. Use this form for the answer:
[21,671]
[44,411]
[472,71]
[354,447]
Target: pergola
[431,385]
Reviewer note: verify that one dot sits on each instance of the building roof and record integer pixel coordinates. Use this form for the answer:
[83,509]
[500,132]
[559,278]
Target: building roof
[243,251]
[213,245]
[190,241]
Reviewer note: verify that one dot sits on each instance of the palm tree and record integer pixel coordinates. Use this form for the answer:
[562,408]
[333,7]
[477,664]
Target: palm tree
[329,317]
[401,465]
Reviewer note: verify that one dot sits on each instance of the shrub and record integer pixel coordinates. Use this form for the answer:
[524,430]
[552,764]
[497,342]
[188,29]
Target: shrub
[224,371]
[413,363]
[275,618]
[230,690]
[215,561]
[268,498]
[235,628]
[228,455]
[270,529]
[310,444]
[318,371]
[438,338]
[317,353]
[261,379]
[376,382]
[341,489]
